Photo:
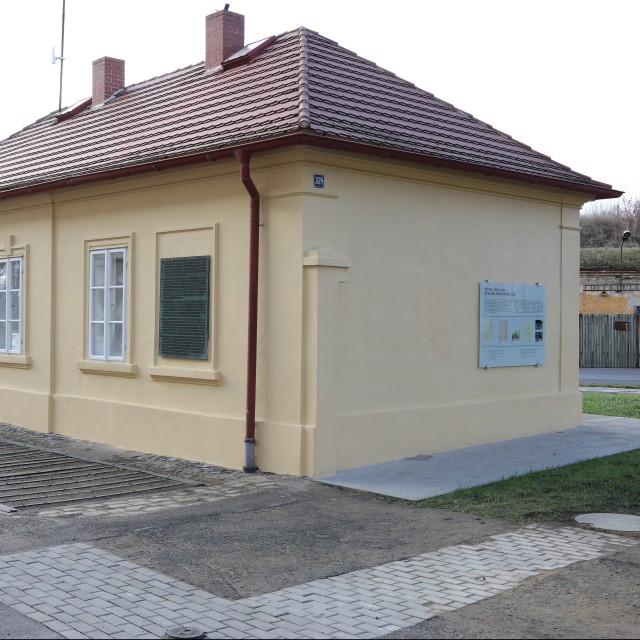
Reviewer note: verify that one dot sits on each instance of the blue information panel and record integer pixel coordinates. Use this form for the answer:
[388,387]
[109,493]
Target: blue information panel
[513,324]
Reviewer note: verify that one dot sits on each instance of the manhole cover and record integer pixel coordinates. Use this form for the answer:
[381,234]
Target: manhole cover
[32,476]
[610,521]
[184,633]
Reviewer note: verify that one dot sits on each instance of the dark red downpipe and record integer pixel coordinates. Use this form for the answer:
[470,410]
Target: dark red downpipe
[244,157]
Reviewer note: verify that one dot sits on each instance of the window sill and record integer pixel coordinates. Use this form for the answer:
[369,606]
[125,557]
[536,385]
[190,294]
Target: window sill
[106,368]
[188,376]
[15,361]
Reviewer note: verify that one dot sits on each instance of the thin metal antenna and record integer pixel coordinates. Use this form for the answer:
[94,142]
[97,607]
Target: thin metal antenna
[61,56]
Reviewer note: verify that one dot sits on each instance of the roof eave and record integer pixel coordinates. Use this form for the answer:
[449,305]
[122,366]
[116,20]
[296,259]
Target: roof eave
[316,140]
[599,192]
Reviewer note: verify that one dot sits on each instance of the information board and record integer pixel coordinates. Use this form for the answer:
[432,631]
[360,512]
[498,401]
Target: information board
[513,319]
[184,307]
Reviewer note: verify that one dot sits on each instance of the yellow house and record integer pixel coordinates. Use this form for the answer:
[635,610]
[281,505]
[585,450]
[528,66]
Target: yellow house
[284,258]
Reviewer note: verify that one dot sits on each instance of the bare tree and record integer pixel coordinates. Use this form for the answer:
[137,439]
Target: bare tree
[604,223]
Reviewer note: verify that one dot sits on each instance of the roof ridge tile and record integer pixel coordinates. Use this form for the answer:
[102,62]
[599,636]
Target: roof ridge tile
[304,111]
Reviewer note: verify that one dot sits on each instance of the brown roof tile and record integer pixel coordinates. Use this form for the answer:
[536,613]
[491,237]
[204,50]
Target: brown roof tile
[302,88]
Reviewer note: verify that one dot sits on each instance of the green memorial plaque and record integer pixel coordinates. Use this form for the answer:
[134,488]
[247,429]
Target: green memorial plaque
[184,307]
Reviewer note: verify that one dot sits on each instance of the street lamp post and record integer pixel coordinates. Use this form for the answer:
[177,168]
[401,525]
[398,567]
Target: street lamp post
[625,236]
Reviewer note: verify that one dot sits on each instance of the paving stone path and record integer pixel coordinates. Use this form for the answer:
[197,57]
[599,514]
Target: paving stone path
[81,591]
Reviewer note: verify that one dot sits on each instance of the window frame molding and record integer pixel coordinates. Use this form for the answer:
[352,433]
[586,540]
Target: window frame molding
[187,370]
[14,359]
[109,316]
[122,367]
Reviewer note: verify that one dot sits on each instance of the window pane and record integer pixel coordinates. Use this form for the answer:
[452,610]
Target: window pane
[107,303]
[15,305]
[3,335]
[15,274]
[117,268]
[97,273]
[3,275]
[117,304]
[97,304]
[115,340]
[3,305]
[97,339]
[15,336]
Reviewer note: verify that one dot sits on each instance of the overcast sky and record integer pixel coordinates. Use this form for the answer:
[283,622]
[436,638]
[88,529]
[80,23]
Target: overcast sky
[559,75]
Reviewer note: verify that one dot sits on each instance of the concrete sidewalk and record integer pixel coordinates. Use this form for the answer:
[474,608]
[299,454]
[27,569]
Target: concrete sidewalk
[425,476]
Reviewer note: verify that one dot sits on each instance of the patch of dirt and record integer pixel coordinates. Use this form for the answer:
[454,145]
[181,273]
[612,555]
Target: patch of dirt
[595,599]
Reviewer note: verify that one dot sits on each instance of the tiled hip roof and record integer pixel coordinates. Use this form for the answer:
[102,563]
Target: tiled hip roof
[301,84]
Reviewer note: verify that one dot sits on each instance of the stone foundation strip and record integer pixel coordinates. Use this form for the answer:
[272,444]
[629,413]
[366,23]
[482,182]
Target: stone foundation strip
[160,501]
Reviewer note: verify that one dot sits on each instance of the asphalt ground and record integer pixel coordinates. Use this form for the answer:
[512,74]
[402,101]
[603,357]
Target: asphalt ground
[610,376]
[292,531]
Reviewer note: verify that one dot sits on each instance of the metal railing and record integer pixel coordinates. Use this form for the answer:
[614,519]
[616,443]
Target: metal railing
[611,286]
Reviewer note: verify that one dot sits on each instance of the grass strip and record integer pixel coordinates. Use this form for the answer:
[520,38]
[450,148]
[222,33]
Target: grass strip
[607,484]
[610,386]
[626,405]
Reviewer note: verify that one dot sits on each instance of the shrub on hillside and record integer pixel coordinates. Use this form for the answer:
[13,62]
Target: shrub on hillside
[609,258]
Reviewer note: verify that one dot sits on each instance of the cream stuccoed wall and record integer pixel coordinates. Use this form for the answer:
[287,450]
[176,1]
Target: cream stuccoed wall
[397,371]
[26,229]
[189,408]
[368,312]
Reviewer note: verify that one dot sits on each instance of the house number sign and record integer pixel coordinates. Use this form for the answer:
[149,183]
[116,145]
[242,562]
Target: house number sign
[184,307]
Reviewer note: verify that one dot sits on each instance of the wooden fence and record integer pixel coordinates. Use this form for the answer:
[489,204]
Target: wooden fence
[608,340]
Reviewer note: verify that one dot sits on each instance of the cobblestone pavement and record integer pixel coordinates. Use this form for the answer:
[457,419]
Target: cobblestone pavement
[227,488]
[81,591]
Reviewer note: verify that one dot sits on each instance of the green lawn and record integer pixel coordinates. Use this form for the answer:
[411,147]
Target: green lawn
[608,484]
[626,405]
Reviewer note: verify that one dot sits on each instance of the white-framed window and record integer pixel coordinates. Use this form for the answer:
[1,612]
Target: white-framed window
[11,304]
[107,304]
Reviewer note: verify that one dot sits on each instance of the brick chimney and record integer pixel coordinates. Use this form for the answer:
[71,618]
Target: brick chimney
[225,36]
[108,77]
